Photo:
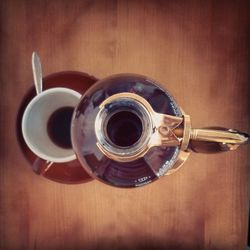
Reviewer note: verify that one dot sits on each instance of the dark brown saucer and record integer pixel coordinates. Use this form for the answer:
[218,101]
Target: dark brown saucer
[70,172]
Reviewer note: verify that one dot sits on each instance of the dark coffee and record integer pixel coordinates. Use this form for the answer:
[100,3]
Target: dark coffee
[58,127]
[124,128]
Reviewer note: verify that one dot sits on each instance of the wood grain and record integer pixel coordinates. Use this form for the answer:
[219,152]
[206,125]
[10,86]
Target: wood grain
[199,50]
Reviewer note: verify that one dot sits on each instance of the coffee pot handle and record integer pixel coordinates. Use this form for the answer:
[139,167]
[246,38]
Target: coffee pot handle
[213,140]
[177,131]
[208,140]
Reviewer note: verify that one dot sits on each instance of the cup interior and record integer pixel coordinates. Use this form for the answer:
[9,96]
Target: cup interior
[35,122]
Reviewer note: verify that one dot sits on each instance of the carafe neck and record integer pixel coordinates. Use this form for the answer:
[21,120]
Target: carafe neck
[126,127]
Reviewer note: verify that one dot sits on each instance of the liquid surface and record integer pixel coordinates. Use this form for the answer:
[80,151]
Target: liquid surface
[58,127]
[124,128]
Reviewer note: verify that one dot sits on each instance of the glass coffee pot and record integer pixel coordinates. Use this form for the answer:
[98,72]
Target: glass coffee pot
[127,131]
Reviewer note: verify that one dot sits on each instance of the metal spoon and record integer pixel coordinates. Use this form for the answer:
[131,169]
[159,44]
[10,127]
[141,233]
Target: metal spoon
[37,73]
[39,165]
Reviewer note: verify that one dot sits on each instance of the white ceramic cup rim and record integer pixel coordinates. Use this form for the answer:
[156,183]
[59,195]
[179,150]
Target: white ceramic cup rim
[34,149]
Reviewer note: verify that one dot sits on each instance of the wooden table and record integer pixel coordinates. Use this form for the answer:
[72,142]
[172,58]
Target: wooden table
[199,50]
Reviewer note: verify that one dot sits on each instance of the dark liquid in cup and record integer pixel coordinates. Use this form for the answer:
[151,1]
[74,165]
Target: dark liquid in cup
[124,128]
[58,127]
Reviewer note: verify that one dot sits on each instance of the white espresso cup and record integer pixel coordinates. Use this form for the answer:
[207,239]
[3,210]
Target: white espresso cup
[35,123]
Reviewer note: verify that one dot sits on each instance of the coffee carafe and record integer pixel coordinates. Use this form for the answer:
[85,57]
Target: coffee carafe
[128,131]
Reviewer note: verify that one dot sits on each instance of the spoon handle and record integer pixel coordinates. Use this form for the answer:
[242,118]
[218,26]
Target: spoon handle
[40,166]
[37,72]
